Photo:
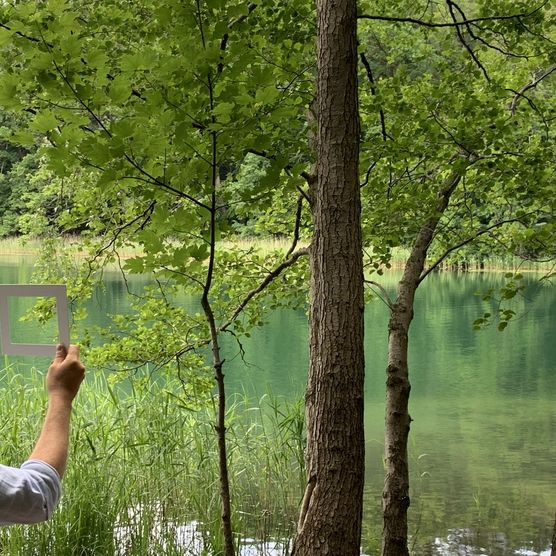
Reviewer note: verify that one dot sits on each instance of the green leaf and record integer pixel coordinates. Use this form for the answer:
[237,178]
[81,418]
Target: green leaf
[223,111]
[8,92]
[44,121]
[120,90]
[6,36]
[97,58]
[23,137]
[267,95]
[135,265]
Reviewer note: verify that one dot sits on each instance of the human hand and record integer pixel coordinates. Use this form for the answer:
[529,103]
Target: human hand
[65,374]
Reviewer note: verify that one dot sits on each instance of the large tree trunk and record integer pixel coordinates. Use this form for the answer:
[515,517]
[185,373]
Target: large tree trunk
[331,513]
[395,496]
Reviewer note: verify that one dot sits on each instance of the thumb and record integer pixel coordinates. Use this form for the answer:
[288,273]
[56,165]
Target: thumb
[61,353]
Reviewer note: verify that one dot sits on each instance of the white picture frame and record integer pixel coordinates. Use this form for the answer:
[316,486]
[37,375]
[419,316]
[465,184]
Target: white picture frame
[33,290]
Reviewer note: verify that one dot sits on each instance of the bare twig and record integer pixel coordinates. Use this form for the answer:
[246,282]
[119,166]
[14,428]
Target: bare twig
[385,296]
[531,85]
[463,23]
[145,216]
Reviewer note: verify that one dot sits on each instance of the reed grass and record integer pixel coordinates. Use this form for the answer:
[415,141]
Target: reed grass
[142,478]
[32,247]
[18,246]
[264,246]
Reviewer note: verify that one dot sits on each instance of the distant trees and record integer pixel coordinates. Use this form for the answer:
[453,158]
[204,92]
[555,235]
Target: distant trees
[15,164]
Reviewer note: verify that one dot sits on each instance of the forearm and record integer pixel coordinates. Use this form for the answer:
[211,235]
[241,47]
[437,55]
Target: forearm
[52,445]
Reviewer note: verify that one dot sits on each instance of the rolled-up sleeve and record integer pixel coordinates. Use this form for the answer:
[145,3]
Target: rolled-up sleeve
[28,494]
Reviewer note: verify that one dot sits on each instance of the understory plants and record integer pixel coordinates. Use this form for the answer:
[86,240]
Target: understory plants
[142,477]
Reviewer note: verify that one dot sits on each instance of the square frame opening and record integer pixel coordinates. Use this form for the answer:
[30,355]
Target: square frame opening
[57,291]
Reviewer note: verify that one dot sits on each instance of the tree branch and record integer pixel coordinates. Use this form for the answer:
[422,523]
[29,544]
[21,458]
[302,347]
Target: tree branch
[141,170]
[451,6]
[370,77]
[309,178]
[368,174]
[224,41]
[296,226]
[463,23]
[22,35]
[531,85]
[145,216]
[468,24]
[270,277]
[387,299]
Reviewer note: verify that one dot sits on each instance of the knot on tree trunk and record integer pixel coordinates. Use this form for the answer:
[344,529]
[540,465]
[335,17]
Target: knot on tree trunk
[399,383]
[396,325]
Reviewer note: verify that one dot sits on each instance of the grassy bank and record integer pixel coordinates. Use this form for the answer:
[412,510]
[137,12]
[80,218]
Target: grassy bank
[31,247]
[142,477]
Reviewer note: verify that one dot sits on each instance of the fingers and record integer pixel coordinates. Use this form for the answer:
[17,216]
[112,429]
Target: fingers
[73,352]
[61,353]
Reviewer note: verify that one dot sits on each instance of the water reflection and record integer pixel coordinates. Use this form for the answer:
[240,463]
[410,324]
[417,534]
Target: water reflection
[188,539]
[468,542]
[483,442]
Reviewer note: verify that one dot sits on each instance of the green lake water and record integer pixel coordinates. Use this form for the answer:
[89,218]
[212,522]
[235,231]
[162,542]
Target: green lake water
[483,438]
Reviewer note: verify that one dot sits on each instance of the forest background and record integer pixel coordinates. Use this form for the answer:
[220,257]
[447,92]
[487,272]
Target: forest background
[164,129]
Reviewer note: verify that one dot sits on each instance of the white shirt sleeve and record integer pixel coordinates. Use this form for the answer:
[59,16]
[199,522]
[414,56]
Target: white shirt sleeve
[29,494]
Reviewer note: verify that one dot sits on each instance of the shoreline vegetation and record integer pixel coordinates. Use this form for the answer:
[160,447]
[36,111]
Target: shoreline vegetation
[142,478]
[19,246]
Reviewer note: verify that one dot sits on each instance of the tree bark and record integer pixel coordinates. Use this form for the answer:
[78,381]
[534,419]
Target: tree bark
[331,512]
[395,496]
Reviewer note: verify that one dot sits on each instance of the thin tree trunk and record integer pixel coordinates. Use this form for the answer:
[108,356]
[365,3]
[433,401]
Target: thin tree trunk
[217,362]
[395,496]
[553,551]
[220,428]
[331,512]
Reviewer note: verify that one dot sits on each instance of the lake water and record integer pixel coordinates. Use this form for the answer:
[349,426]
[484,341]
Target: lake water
[483,403]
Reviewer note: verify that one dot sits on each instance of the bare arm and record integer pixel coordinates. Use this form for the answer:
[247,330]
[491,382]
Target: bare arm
[62,381]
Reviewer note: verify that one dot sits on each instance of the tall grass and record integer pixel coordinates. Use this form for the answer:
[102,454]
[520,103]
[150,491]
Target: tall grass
[458,261]
[32,246]
[16,246]
[142,477]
